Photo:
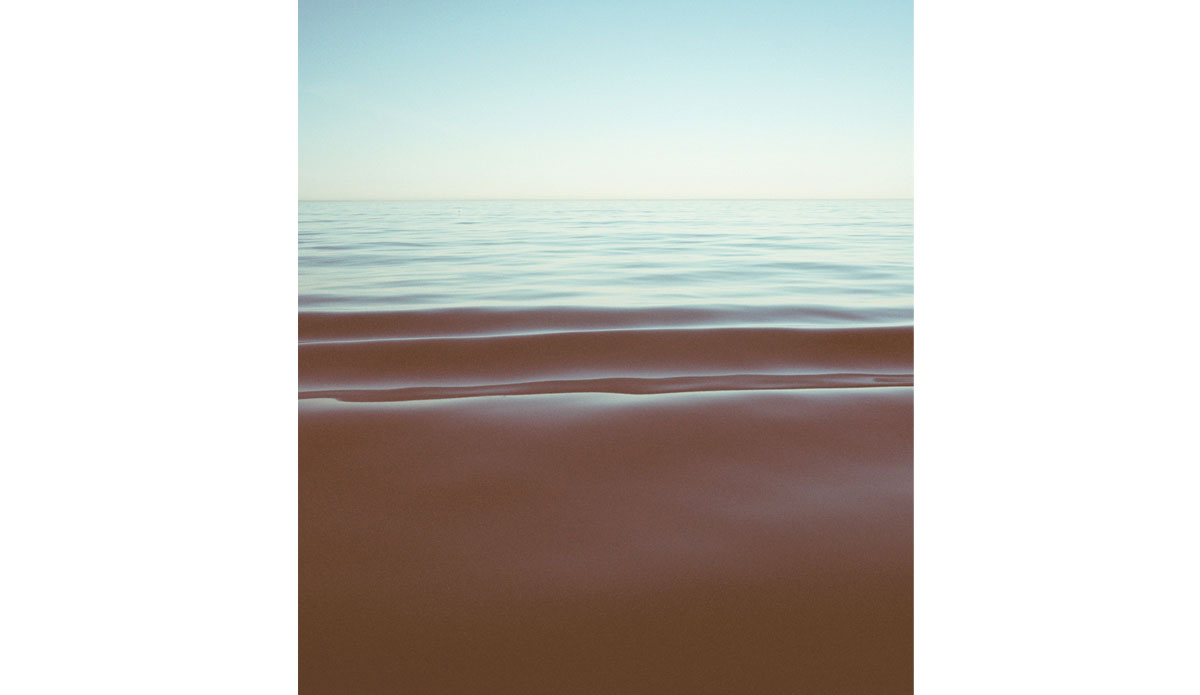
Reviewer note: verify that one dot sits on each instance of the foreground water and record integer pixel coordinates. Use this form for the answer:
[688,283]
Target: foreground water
[606,447]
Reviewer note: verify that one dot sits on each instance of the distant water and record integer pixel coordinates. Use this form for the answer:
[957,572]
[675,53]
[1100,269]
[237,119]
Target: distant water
[809,261]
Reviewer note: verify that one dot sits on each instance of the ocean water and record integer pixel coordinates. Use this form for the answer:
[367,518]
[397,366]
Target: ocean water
[606,446]
[842,260]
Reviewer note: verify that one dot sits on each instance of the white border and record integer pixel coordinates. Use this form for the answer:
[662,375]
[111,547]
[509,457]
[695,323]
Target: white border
[1056,476]
[149,485]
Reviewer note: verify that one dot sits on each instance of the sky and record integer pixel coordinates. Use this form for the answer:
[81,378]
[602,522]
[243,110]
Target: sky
[457,99]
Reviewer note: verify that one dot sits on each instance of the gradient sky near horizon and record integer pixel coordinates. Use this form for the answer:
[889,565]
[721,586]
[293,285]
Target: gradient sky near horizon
[445,99]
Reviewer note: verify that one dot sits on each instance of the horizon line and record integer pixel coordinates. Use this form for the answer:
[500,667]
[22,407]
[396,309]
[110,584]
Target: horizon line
[544,200]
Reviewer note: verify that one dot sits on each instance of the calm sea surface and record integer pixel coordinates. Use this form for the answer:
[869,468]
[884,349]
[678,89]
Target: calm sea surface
[828,261]
[606,447]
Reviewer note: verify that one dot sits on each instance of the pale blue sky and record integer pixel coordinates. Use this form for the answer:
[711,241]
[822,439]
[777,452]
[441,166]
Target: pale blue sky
[435,99]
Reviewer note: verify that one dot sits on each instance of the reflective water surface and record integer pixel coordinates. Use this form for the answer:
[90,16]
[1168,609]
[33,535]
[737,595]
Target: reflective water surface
[606,447]
[852,256]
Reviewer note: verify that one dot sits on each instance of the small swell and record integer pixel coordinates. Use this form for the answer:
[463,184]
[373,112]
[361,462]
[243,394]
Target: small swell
[634,360]
[317,326]
[627,385]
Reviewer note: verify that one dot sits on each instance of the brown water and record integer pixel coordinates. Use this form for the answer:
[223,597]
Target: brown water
[554,492]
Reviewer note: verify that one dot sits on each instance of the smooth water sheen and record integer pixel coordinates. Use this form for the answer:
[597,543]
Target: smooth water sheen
[606,447]
[849,257]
